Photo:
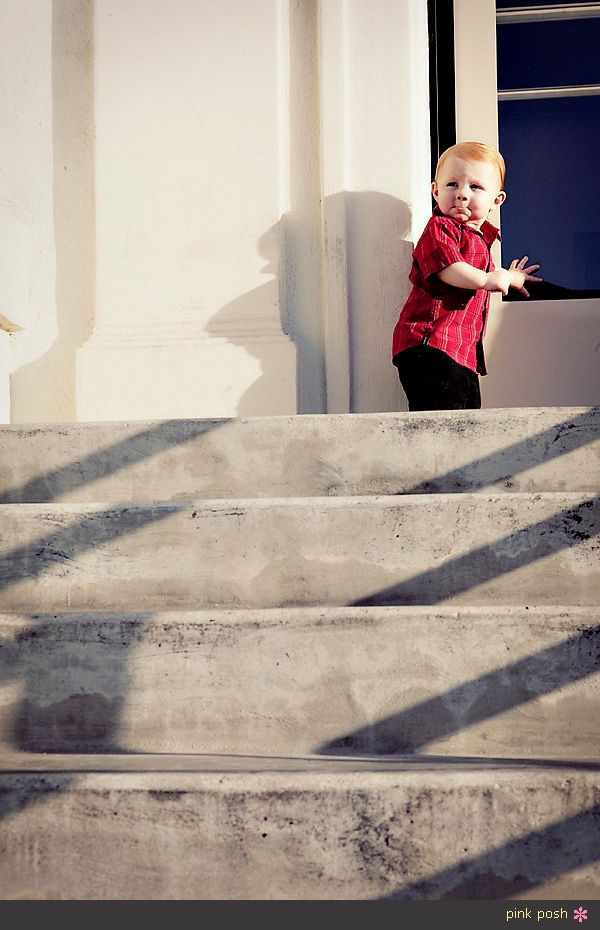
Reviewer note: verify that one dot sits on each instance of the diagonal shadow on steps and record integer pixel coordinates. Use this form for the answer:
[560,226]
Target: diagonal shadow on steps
[71,679]
[580,524]
[516,867]
[128,452]
[566,529]
[413,728]
[65,544]
[502,466]
[493,469]
[471,702]
[40,724]
[86,719]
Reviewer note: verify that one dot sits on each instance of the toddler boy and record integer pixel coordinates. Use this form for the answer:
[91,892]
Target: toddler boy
[438,340]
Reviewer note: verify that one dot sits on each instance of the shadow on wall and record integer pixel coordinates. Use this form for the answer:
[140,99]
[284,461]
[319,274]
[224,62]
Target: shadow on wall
[346,283]
[326,312]
[254,322]
[379,262]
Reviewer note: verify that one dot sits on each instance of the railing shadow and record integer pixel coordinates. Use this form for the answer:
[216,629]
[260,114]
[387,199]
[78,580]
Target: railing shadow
[58,699]
[503,466]
[565,529]
[87,718]
[472,702]
[64,545]
[96,466]
[516,867]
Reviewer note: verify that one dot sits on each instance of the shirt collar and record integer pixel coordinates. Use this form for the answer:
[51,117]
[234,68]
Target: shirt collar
[489,232]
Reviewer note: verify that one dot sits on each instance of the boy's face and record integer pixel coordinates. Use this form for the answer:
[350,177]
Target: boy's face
[468,190]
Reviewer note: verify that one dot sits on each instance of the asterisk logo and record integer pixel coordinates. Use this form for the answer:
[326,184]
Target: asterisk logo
[580,914]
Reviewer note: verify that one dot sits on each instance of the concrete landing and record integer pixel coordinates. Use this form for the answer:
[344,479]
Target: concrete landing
[120,828]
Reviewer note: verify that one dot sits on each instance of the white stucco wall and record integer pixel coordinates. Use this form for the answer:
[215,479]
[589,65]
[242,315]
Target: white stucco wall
[27,290]
[183,172]
[213,205]
[189,130]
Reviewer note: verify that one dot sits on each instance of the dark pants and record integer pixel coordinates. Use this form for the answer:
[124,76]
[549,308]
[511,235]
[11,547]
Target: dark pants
[434,381]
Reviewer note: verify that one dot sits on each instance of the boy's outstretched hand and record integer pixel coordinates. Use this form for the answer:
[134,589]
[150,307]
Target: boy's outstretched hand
[502,279]
[519,274]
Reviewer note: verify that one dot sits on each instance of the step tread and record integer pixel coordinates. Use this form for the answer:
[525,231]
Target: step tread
[575,614]
[552,415]
[332,454]
[218,504]
[279,829]
[359,551]
[503,681]
[305,766]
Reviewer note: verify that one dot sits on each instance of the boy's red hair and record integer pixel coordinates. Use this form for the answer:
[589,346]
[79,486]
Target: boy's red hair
[476,151]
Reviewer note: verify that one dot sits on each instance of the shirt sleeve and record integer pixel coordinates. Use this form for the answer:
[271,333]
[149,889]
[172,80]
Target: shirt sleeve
[438,247]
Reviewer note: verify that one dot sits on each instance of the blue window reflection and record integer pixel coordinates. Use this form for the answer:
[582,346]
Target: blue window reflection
[550,138]
[547,53]
[552,209]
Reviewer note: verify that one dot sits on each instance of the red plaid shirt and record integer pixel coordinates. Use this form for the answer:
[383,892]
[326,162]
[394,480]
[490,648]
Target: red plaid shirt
[448,318]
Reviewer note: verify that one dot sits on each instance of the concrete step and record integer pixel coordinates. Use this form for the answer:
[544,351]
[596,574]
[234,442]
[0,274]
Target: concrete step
[500,682]
[334,669]
[516,449]
[192,827]
[517,549]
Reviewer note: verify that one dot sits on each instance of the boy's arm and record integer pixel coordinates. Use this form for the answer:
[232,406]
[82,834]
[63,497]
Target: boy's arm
[461,274]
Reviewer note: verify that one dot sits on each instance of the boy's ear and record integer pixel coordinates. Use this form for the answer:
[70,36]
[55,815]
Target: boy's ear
[434,189]
[501,197]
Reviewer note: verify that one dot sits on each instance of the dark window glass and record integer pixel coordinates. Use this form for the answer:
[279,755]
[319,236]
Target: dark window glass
[553,192]
[442,100]
[548,53]
[551,145]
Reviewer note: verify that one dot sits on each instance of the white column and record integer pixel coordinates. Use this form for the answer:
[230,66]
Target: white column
[376,167]
[188,238]
[475,68]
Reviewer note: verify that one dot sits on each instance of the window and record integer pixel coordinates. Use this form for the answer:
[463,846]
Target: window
[549,132]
